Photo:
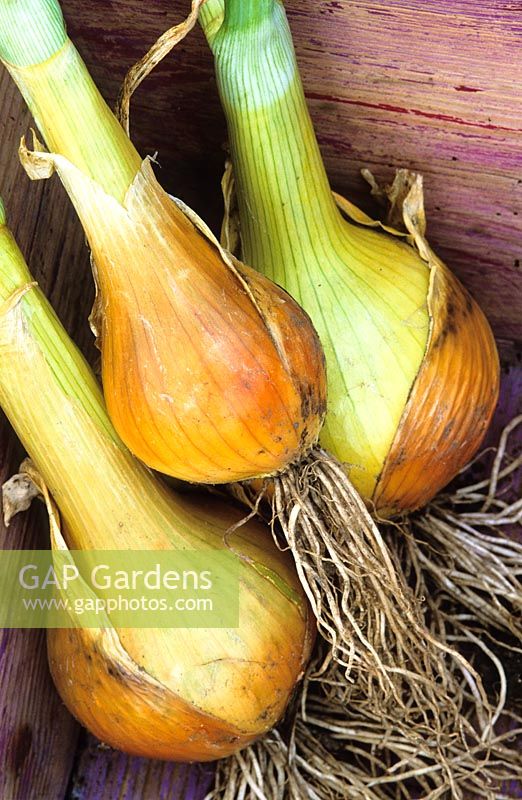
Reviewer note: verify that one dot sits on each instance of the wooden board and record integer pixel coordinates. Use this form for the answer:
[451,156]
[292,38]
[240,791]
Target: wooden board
[37,735]
[103,774]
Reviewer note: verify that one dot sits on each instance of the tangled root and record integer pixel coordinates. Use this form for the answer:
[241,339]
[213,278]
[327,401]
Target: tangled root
[393,704]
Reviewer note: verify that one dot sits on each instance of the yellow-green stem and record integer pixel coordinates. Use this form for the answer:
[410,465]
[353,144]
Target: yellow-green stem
[284,193]
[210,17]
[68,109]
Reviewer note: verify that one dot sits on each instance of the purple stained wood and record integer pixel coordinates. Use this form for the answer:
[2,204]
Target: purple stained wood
[37,735]
[509,407]
[510,401]
[105,774]
[512,789]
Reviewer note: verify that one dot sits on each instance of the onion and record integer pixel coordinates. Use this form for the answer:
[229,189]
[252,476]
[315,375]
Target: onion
[413,370]
[210,372]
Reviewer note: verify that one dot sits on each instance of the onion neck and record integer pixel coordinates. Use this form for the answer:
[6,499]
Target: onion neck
[277,162]
[13,270]
[210,18]
[74,379]
[241,14]
[68,109]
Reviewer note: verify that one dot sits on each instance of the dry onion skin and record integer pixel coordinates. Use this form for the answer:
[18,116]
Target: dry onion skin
[413,370]
[170,693]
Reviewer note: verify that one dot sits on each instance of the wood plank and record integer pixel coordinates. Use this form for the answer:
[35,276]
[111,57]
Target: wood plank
[105,774]
[37,735]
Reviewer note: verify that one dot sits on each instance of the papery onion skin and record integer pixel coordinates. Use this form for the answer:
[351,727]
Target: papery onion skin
[226,378]
[451,402]
[125,710]
[124,705]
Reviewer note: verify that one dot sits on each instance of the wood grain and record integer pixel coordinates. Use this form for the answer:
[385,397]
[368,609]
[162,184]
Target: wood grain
[37,735]
[105,774]
[509,406]
[429,86]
